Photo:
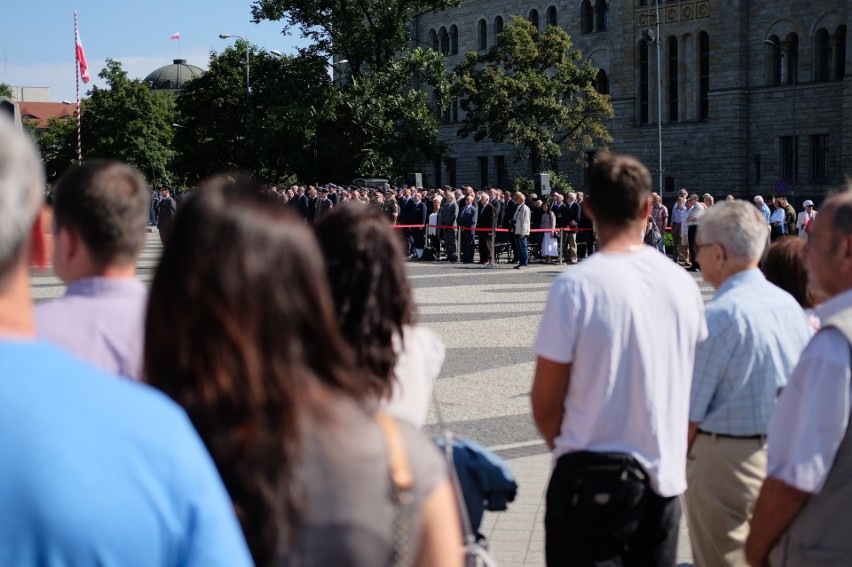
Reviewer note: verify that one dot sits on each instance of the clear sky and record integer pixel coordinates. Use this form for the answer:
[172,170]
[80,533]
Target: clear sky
[37,37]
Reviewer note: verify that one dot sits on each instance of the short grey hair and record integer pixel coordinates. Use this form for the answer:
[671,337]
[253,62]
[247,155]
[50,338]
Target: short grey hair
[21,193]
[758,200]
[738,226]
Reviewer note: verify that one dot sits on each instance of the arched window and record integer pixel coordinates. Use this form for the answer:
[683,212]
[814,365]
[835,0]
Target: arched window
[551,16]
[483,35]
[534,19]
[774,60]
[498,29]
[643,82]
[601,15]
[822,56]
[704,76]
[587,17]
[445,40]
[792,46]
[454,40]
[674,83]
[433,40]
[601,82]
[840,53]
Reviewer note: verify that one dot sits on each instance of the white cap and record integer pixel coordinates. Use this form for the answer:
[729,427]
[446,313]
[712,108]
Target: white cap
[808,203]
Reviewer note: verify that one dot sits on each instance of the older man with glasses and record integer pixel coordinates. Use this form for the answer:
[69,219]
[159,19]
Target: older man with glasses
[756,334]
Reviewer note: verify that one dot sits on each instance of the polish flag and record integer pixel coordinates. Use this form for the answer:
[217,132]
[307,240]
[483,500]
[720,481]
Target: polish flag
[175,36]
[81,56]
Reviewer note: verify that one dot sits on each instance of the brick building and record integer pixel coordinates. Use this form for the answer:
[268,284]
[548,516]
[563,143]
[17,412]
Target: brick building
[745,84]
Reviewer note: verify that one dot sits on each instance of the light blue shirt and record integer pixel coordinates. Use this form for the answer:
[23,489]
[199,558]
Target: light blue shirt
[100,471]
[757,333]
[764,208]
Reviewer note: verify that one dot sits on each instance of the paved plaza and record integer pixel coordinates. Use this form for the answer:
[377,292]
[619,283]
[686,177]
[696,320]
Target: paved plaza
[487,319]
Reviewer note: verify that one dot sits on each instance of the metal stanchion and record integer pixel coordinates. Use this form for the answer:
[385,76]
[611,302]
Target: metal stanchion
[493,246]
[561,243]
[458,245]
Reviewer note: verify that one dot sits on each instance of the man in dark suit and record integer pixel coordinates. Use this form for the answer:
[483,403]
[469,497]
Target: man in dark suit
[486,219]
[467,219]
[419,216]
[165,213]
[299,202]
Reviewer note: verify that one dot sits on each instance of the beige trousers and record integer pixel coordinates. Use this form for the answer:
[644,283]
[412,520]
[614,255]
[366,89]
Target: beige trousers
[724,476]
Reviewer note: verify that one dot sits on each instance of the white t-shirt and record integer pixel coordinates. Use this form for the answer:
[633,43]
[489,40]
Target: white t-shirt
[418,363]
[628,323]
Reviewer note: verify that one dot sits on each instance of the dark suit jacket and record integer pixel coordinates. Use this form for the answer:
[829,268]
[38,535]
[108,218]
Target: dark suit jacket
[560,211]
[573,213]
[509,215]
[467,217]
[487,218]
[167,210]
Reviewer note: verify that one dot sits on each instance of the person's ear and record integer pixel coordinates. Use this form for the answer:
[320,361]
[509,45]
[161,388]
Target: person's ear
[39,248]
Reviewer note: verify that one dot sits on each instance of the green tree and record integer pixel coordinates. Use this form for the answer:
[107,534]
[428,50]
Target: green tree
[5,90]
[129,122]
[270,132]
[58,146]
[531,91]
[381,117]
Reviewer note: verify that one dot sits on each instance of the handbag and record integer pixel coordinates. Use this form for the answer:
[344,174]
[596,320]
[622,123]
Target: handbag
[652,238]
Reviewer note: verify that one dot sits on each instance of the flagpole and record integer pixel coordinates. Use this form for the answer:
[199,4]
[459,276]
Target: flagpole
[77,77]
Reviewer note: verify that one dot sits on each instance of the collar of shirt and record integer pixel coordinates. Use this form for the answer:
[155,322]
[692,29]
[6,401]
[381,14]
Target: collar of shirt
[100,286]
[834,305]
[746,277]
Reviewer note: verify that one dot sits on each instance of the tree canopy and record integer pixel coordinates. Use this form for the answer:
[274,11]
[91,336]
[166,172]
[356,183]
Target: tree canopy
[532,90]
[268,132]
[5,90]
[381,112]
[125,121]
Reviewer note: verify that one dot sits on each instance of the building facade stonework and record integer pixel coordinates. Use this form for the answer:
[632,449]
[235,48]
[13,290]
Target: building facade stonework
[744,84]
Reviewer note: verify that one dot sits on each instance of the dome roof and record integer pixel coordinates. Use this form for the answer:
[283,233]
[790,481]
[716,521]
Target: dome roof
[173,76]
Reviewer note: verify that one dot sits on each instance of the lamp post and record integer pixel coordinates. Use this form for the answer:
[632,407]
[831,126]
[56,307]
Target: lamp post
[654,37]
[794,79]
[245,41]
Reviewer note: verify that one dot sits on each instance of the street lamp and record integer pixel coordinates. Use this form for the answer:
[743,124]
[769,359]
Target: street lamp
[654,37]
[245,41]
[794,79]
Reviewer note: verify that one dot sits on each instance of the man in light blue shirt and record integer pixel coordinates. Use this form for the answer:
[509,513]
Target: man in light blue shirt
[757,333]
[764,209]
[93,470]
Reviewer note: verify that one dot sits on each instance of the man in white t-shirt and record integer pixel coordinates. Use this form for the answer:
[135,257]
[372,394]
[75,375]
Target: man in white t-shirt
[615,350]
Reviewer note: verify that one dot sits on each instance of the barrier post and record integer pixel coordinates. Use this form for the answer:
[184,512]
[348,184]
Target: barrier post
[458,245]
[493,245]
[561,243]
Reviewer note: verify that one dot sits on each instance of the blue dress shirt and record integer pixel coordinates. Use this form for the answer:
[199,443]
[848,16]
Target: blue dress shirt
[757,333]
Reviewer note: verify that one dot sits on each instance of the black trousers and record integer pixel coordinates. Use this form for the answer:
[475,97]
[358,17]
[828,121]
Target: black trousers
[601,510]
[693,251]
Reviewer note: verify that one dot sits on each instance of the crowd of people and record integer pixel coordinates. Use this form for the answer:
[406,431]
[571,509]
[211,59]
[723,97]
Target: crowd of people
[262,403]
[443,224]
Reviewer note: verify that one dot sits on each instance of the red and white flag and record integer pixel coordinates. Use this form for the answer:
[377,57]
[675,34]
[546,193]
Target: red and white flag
[175,36]
[81,56]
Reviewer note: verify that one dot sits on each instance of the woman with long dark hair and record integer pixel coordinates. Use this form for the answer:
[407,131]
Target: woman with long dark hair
[241,333]
[376,311]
